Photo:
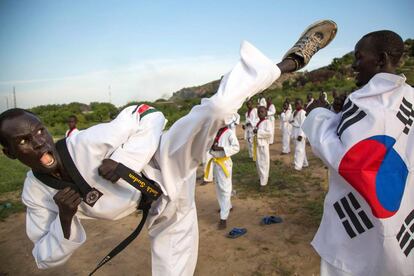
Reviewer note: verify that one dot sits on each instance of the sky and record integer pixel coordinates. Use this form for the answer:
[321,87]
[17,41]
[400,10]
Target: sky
[65,51]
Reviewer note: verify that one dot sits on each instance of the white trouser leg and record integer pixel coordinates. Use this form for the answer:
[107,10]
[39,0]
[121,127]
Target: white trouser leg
[272,127]
[223,189]
[250,147]
[174,240]
[305,158]
[285,141]
[183,147]
[300,153]
[263,163]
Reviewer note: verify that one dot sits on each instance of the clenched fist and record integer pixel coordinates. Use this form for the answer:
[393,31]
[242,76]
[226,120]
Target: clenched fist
[67,201]
[107,170]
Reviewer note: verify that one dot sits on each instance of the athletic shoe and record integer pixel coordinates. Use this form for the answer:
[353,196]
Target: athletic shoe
[315,37]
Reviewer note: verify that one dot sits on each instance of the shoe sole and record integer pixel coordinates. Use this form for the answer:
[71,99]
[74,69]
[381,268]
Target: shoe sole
[320,23]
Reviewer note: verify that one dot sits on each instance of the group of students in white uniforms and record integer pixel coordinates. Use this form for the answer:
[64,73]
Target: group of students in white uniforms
[291,128]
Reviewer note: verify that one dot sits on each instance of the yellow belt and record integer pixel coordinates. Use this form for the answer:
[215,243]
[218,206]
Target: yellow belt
[219,161]
[254,148]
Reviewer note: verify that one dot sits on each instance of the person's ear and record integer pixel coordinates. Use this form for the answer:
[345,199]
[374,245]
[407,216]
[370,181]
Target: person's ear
[8,153]
[383,60]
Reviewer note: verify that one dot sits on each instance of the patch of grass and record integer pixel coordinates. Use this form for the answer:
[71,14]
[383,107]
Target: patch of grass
[282,269]
[314,211]
[12,174]
[10,207]
[283,179]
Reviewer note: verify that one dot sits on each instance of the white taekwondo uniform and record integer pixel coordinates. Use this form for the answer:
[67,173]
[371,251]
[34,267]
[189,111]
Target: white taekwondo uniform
[251,118]
[236,121]
[368,220]
[286,127]
[222,169]
[262,102]
[71,132]
[271,112]
[172,222]
[300,159]
[262,139]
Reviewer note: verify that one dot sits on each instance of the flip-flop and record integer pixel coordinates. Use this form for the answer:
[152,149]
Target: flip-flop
[271,219]
[236,232]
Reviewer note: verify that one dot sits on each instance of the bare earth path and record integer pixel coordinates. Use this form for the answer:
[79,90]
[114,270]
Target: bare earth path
[282,249]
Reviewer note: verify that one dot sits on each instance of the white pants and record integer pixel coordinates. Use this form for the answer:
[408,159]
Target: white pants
[285,140]
[210,173]
[329,270]
[173,219]
[249,142]
[223,188]
[300,154]
[263,163]
[272,127]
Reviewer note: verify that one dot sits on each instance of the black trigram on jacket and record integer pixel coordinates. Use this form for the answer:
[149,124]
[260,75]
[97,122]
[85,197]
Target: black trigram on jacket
[406,114]
[406,235]
[353,218]
[351,114]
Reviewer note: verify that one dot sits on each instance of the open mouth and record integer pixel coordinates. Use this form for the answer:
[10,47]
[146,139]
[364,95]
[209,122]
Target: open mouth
[47,159]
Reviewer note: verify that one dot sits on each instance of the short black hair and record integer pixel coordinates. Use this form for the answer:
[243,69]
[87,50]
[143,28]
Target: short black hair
[74,117]
[10,114]
[388,42]
[299,100]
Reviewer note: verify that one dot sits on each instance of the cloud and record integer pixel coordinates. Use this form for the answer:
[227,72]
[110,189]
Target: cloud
[148,80]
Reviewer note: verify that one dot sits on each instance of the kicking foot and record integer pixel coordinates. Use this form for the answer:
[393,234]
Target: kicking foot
[315,37]
[222,224]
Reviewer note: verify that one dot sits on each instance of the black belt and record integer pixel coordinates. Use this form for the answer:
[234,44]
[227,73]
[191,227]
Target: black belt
[149,191]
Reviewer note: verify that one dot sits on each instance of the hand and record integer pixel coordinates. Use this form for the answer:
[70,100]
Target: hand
[299,138]
[243,127]
[215,147]
[107,170]
[255,131]
[67,201]
[313,105]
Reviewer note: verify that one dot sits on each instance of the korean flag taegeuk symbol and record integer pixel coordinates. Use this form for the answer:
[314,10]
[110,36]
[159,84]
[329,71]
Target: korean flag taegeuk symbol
[377,172]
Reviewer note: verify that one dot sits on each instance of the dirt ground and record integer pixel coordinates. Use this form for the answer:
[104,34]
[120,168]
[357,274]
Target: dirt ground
[279,249]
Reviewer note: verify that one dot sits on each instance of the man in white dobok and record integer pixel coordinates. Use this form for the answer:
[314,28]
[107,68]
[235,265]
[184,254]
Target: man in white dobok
[368,219]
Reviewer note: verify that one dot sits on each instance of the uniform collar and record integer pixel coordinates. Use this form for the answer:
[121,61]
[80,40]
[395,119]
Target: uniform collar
[379,84]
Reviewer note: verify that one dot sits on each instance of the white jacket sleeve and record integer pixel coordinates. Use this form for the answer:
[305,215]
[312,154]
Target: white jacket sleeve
[127,139]
[301,120]
[44,229]
[320,128]
[271,111]
[265,131]
[233,146]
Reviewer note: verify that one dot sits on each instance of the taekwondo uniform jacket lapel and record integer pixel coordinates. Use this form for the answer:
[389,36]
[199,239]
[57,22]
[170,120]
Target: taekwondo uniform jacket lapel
[264,132]
[251,117]
[368,221]
[297,122]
